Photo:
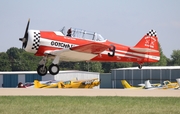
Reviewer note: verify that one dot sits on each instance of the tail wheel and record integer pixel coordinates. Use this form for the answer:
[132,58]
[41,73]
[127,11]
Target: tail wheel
[139,66]
[42,70]
[53,69]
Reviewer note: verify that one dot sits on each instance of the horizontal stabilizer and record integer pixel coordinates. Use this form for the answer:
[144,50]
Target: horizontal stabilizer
[143,50]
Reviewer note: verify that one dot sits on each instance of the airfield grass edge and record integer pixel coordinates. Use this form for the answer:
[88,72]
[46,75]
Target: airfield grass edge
[89,105]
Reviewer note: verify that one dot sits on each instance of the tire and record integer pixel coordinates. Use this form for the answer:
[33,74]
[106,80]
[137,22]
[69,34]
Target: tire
[53,69]
[42,70]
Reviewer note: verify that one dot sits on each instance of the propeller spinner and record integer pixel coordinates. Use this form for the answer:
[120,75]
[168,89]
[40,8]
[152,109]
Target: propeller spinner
[25,38]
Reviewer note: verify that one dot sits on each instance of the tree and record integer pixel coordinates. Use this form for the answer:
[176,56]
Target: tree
[28,61]
[123,64]
[14,58]
[4,62]
[95,67]
[107,66]
[175,58]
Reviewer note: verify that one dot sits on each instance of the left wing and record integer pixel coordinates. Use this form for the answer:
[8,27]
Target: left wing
[94,48]
[79,53]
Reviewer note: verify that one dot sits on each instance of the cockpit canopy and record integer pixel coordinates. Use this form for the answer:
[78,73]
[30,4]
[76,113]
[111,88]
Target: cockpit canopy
[80,33]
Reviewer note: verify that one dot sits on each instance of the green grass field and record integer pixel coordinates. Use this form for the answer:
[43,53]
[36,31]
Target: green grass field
[88,105]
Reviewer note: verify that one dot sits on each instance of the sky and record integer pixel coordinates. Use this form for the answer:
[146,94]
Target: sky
[120,21]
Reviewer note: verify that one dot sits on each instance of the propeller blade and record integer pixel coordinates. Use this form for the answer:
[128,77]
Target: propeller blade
[27,27]
[25,38]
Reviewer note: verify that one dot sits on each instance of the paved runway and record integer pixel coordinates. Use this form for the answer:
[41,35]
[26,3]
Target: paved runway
[88,92]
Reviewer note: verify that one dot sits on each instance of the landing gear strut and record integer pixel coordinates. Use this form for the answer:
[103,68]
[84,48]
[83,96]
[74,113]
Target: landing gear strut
[53,68]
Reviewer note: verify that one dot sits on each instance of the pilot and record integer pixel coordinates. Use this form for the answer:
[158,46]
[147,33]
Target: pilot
[69,32]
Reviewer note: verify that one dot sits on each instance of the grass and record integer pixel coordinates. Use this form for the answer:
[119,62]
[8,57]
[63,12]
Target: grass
[88,105]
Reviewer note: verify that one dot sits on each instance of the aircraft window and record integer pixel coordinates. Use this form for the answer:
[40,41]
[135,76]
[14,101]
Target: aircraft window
[67,82]
[166,82]
[99,37]
[80,33]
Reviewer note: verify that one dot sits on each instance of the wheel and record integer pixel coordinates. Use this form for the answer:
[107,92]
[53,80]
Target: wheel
[139,66]
[42,70]
[53,69]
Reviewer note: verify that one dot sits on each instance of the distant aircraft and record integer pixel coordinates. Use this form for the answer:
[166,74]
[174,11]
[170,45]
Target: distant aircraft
[126,85]
[166,85]
[81,45]
[148,85]
[31,84]
[90,83]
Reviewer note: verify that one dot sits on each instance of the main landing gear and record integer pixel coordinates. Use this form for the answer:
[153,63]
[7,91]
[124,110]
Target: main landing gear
[53,68]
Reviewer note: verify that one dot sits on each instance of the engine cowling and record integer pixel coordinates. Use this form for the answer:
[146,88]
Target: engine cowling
[33,42]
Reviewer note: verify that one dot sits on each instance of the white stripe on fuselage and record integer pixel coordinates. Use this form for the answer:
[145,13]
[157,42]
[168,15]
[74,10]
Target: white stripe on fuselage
[132,53]
[56,44]
[140,55]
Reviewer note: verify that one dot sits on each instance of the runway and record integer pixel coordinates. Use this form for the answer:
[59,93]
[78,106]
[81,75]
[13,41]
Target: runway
[88,92]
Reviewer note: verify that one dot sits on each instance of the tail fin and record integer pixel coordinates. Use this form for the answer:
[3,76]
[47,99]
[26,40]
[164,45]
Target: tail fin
[150,46]
[178,81]
[125,84]
[36,84]
[147,84]
[149,43]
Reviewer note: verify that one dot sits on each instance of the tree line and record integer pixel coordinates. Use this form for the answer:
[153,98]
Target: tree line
[15,59]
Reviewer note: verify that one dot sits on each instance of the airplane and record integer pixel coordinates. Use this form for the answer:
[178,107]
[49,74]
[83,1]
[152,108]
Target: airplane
[31,84]
[82,45]
[166,85]
[126,85]
[89,83]
[148,85]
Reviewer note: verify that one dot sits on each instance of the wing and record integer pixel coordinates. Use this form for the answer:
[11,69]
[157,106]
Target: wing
[79,53]
[89,81]
[93,48]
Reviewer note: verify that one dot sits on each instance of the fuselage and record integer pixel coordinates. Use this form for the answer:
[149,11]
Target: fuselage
[41,41]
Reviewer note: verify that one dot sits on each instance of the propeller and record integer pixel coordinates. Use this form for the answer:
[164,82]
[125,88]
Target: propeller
[25,38]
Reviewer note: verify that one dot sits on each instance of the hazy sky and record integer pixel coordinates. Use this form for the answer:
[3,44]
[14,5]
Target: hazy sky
[120,21]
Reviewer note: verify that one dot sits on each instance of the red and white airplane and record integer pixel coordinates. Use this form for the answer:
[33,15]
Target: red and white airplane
[81,45]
